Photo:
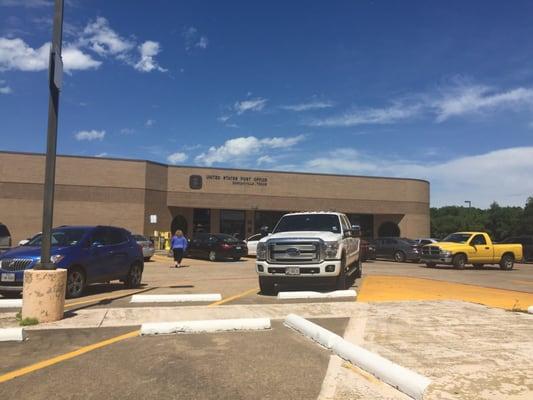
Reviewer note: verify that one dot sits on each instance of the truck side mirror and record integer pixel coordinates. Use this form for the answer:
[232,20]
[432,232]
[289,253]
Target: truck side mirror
[356,231]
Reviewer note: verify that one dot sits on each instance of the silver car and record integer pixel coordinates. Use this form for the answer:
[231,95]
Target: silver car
[147,246]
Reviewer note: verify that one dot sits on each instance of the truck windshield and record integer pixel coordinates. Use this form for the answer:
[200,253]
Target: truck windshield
[457,238]
[61,237]
[308,222]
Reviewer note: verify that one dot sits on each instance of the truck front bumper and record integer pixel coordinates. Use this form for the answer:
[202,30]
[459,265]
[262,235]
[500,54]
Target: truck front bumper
[436,259]
[325,269]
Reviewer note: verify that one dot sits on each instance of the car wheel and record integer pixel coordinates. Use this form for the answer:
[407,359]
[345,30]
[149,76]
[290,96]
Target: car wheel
[75,283]
[430,265]
[147,258]
[459,261]
[478,266]
[134,276]
[266,286]
[341,279]
[399,256]
[507,262]
[212,255]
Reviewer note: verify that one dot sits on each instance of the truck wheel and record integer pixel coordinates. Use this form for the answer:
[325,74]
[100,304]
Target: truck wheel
[266,285]
[507,262]
[399,256]
[459,261]
[341,279]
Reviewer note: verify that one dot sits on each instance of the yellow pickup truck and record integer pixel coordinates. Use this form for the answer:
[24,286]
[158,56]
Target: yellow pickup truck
[476,248]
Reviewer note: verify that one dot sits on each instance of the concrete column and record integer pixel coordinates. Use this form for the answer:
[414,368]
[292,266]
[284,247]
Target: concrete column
[43,294]
[215,220]
[249,223]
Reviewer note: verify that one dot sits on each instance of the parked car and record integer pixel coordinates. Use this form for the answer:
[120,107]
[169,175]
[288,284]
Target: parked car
[424,241]
[90,254]
[368,250]
[527,245]
[397,249]
[461,248]
[24,242]
[216,246]
[5,238]
[251,243]
[147,246]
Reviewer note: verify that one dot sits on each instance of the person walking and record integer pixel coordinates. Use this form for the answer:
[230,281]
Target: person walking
[179,245]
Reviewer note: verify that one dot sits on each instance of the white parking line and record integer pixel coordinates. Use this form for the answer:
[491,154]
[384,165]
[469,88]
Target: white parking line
[317,295]
[205,326]
[10,303]
[403,379]
[174,298]
[12,334]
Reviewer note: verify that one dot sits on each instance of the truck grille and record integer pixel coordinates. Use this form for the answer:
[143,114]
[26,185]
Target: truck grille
[430,250]
[15,264]
[294,252]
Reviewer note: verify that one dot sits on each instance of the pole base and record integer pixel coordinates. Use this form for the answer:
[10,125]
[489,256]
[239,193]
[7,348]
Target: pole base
[43,294]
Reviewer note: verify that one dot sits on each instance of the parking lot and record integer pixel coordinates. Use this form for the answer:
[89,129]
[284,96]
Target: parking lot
[454,327]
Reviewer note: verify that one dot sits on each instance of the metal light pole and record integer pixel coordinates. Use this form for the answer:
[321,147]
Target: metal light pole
[469,203]
[55,74]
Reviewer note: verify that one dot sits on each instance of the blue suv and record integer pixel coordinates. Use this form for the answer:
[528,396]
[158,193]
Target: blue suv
[90,254]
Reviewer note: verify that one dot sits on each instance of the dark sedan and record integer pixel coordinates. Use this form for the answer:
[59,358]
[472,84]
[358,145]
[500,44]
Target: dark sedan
[216,246]
[397,249]
[368,250]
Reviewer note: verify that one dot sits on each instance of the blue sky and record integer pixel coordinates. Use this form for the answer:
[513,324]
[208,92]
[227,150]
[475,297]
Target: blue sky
[434,90]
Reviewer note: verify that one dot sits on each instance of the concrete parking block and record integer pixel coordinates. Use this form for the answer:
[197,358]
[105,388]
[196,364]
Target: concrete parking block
[405,380]
[174,298]
[10,303]
[316,295]
[12,335]
[205,326]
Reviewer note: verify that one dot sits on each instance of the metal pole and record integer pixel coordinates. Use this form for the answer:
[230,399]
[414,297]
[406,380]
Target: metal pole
[55,71]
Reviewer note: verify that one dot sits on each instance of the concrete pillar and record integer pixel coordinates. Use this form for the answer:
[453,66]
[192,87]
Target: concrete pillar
[215,220]
[249,223]
[43,294]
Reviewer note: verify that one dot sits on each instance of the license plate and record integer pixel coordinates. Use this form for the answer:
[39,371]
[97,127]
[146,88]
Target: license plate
[8,277]
[237,248]
[292,271]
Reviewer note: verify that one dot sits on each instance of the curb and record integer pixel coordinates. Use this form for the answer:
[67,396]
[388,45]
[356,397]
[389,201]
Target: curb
[10,303]
[205,326]
[317,295]
[174,298]
[12,335]
[403,379]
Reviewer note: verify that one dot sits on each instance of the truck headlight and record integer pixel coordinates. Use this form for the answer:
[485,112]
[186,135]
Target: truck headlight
[261,252]
[331,249]
[445,253]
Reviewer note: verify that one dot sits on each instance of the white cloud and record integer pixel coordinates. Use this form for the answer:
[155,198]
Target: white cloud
[127,131]
[26,3]
[501,175]
[16,54]
[103,40]
[194,39]
[4,88]
[244,148]
[176,158]
[265,160]
[470,99]
[90,135]
[148,51]
[312,105]
[256,104]
[149,122]
[397,112]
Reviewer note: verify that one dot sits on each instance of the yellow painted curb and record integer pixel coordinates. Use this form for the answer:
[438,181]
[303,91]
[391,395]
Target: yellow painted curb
[380,288]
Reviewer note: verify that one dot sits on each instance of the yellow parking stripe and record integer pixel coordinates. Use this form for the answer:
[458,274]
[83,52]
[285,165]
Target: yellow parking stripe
[67,356]
[377,288]
[231,298]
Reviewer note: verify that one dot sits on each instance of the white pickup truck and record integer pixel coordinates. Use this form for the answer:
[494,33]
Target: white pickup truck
[309,249]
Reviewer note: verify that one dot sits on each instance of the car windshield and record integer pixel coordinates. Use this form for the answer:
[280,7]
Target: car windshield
[61,237]
[309,222]
[457,237]
[227,238]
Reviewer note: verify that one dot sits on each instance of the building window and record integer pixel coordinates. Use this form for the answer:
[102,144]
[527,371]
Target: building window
[267,218]
[201,220]
[366,222]
[232,222]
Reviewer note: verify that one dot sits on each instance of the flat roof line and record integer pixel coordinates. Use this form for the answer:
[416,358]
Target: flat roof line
[218,168]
